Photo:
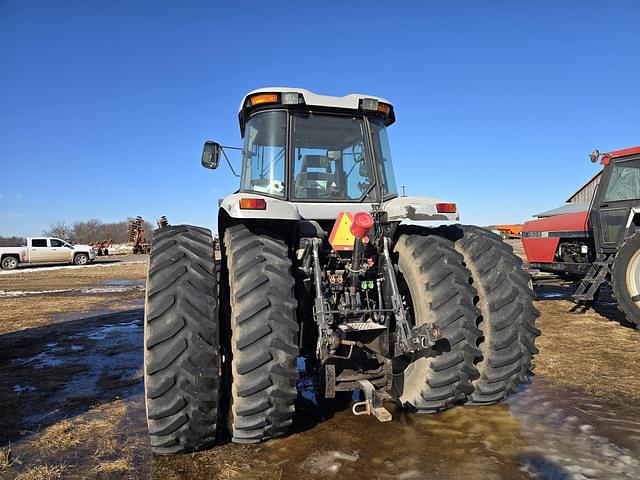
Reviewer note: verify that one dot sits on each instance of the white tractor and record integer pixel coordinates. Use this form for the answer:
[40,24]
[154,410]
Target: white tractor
[323,261]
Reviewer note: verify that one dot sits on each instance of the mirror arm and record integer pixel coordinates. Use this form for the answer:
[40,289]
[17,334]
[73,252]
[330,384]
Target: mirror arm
[227,158]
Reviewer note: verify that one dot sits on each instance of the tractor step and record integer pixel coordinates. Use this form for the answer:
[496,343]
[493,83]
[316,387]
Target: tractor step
[360,326]
[597,274]
[372,403]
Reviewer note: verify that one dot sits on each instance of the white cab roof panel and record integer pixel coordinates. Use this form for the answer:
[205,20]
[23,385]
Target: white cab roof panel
[351,101]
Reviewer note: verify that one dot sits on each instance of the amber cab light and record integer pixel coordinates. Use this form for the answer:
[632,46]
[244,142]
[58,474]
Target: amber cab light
[384,108]
[261,98]
[253,204]
[446,207]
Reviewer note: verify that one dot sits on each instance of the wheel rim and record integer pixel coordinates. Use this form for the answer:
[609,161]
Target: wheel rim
[10,263]
[633,277]
[82,260]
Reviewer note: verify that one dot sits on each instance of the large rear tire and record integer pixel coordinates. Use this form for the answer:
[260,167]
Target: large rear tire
[625,279]
[264,335]
[505,300]
[181,344]
[437,288]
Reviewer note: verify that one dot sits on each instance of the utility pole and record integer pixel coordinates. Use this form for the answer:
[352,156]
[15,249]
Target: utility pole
[403,187]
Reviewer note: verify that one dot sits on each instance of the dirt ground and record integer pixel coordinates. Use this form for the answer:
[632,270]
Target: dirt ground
[71,400]
[61,293]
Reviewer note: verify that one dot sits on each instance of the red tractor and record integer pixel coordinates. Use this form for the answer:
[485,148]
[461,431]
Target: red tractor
[599,242]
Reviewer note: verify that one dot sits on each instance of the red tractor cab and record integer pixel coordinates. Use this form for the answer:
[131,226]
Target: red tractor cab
[598,241]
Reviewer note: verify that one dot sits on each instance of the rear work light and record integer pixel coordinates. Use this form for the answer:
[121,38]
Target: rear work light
[446,208]
[253,204]
[261,98]
[375,105]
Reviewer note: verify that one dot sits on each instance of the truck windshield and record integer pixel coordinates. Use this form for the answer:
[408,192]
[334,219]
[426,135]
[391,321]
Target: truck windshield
[264,154]
[330,158]
[383,156]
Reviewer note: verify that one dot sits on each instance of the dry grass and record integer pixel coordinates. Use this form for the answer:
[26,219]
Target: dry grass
[67,434]
[117,466]
[43,472]
[18,313]
[39,310]
[587,351]
[72,278]
[91,442]
[7,459]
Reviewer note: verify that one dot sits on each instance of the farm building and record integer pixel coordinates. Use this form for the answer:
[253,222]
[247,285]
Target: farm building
[585,193]
[577,202]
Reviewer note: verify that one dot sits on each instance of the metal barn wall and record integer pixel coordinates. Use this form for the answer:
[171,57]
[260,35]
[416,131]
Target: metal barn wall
[585,193]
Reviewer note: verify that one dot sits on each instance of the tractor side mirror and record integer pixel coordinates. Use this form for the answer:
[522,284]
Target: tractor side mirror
[211,155]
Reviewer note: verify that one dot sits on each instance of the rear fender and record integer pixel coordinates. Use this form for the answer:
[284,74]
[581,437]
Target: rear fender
[276,209]
[417,208]
[279,217]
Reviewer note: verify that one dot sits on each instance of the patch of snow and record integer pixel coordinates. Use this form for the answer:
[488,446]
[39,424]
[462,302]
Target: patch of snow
[87,291]
[23,388]
[66,267]
[109,330]
[42,360]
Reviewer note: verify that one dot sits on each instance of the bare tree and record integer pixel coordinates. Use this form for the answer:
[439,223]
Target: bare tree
[93,230]
[59,229]
[87,231]
[10,241]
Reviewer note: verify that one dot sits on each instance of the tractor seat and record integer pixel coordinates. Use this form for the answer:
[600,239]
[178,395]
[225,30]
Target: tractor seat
[317,182]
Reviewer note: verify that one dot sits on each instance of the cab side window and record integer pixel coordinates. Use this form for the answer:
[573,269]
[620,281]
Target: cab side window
[39,242]
[56,243]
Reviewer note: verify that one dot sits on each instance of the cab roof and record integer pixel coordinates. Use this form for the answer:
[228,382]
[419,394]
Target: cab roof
[606,157]
[353,101]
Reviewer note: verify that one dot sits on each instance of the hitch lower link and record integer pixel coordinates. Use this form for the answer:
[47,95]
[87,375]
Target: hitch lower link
[420,337]
[372,403]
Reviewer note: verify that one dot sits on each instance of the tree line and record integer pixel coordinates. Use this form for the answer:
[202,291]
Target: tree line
[87,231]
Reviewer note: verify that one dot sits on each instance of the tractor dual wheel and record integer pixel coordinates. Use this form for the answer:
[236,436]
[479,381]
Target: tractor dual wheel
[625,279]
[264,335]
[435,287]
[181,341]
[505,300]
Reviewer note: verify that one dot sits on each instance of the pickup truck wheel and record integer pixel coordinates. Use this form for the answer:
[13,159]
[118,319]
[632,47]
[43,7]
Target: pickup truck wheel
[81,259]
[9,263]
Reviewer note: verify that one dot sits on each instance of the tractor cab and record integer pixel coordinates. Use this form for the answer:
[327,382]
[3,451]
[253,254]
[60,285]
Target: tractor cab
[312,157]
[299,146]
[616,203]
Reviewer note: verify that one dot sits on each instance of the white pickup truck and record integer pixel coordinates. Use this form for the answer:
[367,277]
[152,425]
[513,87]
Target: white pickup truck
[45,250]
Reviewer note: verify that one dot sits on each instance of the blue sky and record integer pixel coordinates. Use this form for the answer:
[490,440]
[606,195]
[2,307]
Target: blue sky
[104,105]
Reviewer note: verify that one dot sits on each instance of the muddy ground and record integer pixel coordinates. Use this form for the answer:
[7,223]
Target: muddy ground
[71,402]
